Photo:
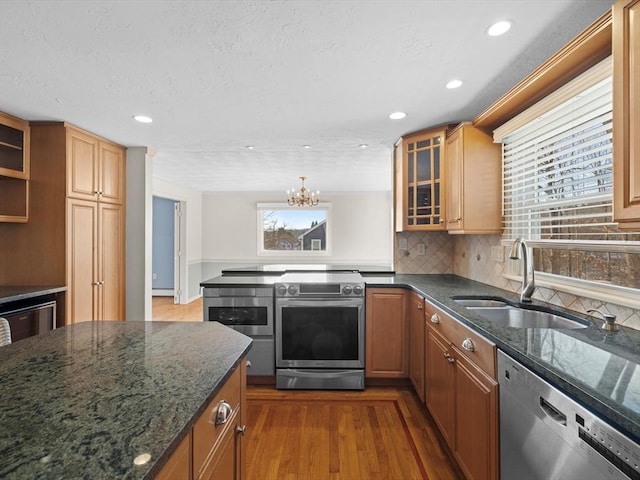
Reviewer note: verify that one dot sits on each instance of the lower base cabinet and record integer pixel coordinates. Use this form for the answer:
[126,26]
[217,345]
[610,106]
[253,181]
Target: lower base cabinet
[214,448]
[461,396]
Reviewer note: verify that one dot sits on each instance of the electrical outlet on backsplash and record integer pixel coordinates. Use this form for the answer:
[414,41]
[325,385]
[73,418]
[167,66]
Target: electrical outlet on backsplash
[477,257]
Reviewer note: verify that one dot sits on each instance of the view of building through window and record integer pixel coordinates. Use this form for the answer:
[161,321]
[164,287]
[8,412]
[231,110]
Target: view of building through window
[294,229]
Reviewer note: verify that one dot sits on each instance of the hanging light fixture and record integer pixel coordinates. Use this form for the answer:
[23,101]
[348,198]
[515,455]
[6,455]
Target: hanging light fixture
[302,197]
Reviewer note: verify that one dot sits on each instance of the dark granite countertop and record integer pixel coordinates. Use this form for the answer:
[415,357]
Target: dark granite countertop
[599,369]
[241,281]
[12,293]
[84,400]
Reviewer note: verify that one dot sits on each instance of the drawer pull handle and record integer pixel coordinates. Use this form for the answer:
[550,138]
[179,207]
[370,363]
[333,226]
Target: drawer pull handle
[241,429]
[468,345]
[435,318]
[449,358]
[223,413]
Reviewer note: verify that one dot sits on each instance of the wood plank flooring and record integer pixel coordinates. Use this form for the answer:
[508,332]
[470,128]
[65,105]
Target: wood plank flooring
[376,434]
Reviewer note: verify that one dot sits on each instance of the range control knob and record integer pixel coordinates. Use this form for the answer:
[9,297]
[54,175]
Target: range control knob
[292,289]
[357,290]
[281,289]
[347,289]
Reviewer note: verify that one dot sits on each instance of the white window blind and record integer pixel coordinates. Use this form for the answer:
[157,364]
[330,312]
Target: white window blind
[557,170]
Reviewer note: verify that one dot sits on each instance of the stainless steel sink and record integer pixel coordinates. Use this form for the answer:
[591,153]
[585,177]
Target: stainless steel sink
[509,316]
[480,302]
[502,313]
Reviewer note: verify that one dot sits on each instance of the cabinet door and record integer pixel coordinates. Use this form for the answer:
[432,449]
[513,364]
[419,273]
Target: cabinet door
[423,181]
[110,259]
[179,464]
[111,173]
[82,270]
[439,369]
[415,309]
[82,165]
[476,421]
[223,463]
[626,113]
[454,180]
[386,334]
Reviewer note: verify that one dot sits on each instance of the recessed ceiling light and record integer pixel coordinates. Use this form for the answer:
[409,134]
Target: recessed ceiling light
[454,84]
[306,146]
[397,115]
[249,147]
[142,119]
[499,28]
[363,145]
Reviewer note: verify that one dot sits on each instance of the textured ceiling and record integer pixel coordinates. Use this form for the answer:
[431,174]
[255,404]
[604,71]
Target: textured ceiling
[217,76]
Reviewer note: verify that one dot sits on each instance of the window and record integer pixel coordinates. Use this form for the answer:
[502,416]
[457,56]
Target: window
[293,231]
[557,184]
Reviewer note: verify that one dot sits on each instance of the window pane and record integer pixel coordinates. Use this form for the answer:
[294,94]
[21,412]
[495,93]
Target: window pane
[294,229]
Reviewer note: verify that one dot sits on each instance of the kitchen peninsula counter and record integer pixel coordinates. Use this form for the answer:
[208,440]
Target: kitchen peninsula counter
[85,400]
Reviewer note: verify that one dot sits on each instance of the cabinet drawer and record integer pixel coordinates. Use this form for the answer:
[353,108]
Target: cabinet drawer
[205,432]
[482,353]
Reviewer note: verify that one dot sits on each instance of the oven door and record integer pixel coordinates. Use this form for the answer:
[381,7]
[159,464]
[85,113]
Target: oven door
[252,316]
[320,333]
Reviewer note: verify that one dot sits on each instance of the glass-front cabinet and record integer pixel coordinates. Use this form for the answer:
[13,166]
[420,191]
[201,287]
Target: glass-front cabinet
[14,169]
[419,182]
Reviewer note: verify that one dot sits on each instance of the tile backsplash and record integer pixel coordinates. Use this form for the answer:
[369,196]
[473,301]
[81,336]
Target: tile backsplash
[470,256]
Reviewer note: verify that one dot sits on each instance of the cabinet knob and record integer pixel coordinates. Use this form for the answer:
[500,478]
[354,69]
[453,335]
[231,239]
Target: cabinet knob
[449,358]
[419,306]
[468,345]
[248,363]
[435,318]
[223,412]
[241,429]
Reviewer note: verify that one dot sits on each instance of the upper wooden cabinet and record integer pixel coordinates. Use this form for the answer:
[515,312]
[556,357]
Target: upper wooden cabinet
[626,113]
[14,169]
[473,182]
[95,168]
[419,167]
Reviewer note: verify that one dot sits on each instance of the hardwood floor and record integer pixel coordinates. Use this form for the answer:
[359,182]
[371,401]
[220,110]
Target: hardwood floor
[163,309]
[380,433]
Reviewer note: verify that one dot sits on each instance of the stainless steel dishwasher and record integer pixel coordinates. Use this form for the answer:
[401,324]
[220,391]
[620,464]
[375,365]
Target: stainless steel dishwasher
[545,435]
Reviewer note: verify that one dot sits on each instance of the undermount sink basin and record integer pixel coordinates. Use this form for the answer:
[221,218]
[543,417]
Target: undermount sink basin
[509,316]
[502,313]
[480,302]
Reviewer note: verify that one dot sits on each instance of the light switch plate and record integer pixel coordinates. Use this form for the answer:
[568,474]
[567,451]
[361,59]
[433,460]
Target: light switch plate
[497,253]
[421,249]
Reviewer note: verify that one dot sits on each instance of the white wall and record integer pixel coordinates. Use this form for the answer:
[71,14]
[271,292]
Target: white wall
[361,230]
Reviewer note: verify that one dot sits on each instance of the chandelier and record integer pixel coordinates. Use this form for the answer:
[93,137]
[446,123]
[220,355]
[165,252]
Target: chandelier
[303,198]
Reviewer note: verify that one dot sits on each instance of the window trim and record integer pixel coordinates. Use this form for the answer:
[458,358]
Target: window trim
[261,207]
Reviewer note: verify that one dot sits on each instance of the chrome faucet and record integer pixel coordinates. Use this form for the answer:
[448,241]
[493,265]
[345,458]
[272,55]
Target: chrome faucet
[528,274]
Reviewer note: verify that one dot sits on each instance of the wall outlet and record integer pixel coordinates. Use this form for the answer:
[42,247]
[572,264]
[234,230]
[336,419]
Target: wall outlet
[497,253]
[154,276]
[421,249]
[402,243]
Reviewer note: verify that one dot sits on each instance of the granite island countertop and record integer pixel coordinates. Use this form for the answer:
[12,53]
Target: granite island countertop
[85,400]
[599,369]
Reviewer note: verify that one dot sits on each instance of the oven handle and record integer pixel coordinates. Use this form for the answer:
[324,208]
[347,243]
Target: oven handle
[359,301]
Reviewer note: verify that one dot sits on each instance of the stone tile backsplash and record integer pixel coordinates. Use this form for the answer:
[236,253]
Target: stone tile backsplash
[470,256]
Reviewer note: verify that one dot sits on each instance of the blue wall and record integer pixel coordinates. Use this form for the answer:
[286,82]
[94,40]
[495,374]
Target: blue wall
[163,243]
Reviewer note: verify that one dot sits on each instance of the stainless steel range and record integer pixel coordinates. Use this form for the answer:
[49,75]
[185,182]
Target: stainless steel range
[320,339]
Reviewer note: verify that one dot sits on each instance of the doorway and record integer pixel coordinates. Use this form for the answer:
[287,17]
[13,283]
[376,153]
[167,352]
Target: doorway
[167,259]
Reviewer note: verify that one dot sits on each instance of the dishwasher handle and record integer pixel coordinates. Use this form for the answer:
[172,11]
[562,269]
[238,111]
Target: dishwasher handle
[552,412]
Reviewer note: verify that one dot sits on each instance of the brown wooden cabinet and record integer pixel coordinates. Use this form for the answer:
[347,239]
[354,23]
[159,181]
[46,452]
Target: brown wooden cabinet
[461,393]
[420,173]
[214,449]
[473,182]
[387,352]
[74,237]
[14,169]
[626,113]
[415,311]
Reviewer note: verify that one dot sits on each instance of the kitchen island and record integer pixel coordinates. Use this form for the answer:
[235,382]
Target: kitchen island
[96,399]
